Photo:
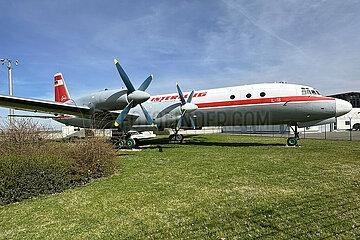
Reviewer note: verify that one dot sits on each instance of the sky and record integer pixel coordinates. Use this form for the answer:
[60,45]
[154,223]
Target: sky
[199,44]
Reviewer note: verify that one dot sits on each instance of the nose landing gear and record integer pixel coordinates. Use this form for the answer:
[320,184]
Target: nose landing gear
[293,141]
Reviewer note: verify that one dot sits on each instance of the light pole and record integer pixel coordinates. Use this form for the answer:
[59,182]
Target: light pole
[9,61]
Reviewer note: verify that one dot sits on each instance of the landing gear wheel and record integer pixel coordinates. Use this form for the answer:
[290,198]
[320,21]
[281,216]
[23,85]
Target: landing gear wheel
[291,141]
[121,144]
[179,137]
[176,138]
[130,143]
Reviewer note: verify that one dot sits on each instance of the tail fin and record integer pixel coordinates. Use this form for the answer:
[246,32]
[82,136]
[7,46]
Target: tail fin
[61,92]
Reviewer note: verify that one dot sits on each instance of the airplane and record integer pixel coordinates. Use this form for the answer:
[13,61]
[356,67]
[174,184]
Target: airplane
[132,109]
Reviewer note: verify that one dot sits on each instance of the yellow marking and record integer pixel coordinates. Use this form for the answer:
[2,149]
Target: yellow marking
[152,76]
[177,128]
[152,124]
[116,61]
[116,124]
[176,83]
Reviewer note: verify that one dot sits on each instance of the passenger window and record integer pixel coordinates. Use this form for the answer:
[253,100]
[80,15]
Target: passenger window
[232,96]
[248,95]
[313,92]
[262,94]
[308,91]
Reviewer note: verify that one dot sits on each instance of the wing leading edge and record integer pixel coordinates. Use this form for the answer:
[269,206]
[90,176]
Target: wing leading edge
[43,106]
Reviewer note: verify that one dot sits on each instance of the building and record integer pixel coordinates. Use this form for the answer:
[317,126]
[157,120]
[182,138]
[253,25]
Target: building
[348,120]
[352,97]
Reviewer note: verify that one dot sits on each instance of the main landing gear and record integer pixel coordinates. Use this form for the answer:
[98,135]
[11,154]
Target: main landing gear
[176,138]
[292,141]
[124,141]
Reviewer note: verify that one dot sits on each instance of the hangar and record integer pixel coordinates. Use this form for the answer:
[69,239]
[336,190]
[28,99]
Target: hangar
[352,118]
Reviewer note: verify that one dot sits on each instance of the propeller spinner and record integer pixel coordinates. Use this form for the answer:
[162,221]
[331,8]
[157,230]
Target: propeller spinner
[134,96]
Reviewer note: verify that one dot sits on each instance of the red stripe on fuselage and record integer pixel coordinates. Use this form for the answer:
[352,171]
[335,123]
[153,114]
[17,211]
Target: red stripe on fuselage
[263,101]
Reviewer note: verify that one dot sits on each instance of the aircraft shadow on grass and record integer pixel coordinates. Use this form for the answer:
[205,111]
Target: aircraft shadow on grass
[222,144]
[201,141]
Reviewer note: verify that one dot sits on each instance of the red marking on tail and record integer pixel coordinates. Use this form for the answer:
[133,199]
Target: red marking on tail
[61,92]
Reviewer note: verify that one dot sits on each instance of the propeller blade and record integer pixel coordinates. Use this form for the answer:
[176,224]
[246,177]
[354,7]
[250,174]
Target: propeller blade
[146,83]
[192,122]
[124,77]
[191,96]
[168,109]
[178,126]
[147,116]
[123,114]
[180,94]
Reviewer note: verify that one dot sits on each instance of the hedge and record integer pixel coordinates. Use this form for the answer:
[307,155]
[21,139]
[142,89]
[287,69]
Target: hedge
[52,167]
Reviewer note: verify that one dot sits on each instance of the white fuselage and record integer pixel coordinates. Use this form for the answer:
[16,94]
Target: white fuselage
[256,104]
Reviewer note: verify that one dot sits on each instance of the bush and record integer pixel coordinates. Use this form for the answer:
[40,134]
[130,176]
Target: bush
[31,164]
[24,176]
[92,157]
[23,136]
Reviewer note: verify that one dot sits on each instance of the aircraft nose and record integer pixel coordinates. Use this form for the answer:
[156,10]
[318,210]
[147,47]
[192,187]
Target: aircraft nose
[342,107]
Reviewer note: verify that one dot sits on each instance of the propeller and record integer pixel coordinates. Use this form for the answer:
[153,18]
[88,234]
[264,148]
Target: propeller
[134,96]
[186,107]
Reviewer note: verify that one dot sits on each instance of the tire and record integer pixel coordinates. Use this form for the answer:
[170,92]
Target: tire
[130,143]
[291,141]
[179,137]
[121,144]
[172,137]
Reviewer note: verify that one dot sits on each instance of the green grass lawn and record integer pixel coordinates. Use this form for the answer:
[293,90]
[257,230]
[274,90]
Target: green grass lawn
[212,187]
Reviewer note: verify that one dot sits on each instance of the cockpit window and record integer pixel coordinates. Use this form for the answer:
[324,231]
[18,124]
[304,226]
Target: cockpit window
[309,91]
[303,91]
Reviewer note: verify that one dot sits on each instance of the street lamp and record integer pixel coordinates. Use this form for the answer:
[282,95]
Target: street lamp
[9,61]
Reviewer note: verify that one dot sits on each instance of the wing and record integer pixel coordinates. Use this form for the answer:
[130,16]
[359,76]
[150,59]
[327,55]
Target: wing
[109,116]
[35,116]
[112,115]
[43,106]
